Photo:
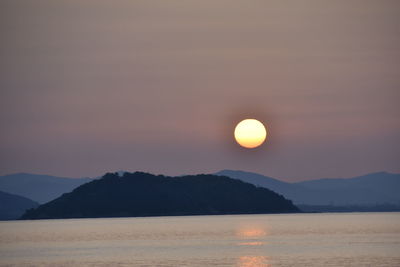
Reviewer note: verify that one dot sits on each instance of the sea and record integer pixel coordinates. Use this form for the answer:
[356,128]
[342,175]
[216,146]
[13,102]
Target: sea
[318,239]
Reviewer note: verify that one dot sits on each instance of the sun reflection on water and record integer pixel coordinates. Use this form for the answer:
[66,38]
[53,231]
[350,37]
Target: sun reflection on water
[253,261]
[251,243]
[252,233]
[252,236]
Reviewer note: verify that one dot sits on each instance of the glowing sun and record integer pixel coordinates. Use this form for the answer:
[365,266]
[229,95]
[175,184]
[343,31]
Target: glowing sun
[250,133]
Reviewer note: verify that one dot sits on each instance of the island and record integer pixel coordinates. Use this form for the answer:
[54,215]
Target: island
[144,194]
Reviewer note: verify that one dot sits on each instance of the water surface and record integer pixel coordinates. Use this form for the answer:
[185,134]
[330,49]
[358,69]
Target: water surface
[342,239]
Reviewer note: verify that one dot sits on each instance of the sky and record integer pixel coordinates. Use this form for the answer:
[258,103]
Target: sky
[88,87]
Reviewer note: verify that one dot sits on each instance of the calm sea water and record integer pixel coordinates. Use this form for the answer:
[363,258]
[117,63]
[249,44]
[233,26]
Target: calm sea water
[346,239]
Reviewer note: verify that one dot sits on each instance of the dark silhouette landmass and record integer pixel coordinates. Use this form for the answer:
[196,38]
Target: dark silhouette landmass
[368,190]
[371,190]
[40,188]
[143,194]
[13,206]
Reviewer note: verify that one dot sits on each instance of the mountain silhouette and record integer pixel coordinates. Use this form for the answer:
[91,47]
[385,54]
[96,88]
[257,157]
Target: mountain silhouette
[371,189]
[144,194]
[40,188]
[13,206]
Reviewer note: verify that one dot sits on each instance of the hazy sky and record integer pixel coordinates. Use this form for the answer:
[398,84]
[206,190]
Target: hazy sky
[88,87]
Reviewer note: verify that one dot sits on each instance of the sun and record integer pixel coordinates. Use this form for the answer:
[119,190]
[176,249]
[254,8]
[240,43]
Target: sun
[250,133]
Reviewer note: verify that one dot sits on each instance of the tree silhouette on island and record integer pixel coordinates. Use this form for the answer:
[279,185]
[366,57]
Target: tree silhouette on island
[143,194]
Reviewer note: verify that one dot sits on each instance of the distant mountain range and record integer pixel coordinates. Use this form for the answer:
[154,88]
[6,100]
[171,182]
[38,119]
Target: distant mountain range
[13,206]
[144,194]
[375,189]
[40,188]
[371,189]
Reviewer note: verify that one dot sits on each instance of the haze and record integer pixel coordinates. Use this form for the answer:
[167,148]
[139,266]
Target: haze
[94,86]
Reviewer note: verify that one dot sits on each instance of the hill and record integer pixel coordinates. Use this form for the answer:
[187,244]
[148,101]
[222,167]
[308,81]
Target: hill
[371,189]
[297,193]
[143,194]
[13,206]
[40,188]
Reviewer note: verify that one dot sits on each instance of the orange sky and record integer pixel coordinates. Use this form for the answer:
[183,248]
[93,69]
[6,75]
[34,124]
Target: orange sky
[96,86]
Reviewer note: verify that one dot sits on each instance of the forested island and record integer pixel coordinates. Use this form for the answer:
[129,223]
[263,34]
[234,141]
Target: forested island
[143,194]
